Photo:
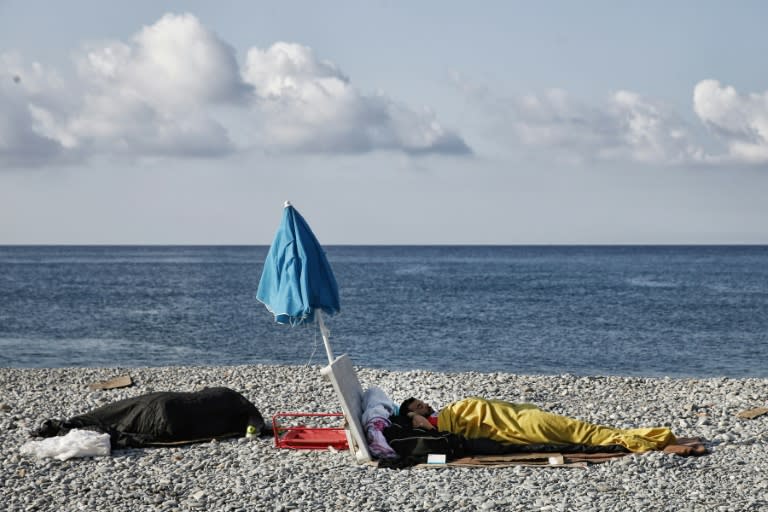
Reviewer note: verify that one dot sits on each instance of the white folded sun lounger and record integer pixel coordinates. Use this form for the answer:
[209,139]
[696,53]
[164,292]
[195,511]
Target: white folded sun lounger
[344,380]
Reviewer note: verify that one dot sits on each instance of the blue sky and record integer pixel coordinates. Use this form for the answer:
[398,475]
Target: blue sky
[384,122]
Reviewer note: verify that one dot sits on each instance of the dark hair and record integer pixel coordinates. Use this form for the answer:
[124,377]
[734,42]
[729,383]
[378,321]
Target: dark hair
[404,406]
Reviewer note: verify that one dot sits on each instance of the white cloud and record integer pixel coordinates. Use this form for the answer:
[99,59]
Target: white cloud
[177,90]
[173,65]
[307,104]
[648,131]
[154,97]
[24,90]
[628,127]
[740,120]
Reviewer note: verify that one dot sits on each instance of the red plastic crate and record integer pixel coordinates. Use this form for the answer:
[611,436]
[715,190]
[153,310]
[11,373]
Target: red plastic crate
[303,437]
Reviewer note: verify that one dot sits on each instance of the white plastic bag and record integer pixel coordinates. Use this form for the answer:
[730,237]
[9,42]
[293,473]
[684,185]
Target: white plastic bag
[77,443]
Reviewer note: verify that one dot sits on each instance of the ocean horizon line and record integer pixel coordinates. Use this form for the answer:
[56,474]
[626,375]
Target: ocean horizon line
[535,245]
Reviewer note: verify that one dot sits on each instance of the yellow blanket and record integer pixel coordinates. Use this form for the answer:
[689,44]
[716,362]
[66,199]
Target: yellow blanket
[527,424]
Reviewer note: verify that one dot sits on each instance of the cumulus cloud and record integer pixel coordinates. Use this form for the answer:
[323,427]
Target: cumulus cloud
[740,120]
[151,97]
[176,89]
[309,105]
[154,96]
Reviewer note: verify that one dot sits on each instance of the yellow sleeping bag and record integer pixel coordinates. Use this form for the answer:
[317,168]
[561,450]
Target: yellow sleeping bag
[527,424]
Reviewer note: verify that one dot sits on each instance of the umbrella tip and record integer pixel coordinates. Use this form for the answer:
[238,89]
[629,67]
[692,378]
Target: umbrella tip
[286,204]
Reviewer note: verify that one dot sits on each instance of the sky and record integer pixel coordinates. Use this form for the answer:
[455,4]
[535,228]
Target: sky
[384,122]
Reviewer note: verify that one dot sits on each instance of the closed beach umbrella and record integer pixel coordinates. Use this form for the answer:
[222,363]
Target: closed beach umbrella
[297,284]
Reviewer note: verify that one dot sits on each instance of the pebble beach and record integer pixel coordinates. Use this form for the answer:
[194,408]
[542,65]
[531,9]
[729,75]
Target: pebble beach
[242,474]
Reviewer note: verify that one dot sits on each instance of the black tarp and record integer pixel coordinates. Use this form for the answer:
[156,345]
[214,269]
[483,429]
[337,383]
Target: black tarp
[166,417]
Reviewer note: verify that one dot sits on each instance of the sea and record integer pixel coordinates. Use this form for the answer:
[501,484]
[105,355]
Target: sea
[648,311]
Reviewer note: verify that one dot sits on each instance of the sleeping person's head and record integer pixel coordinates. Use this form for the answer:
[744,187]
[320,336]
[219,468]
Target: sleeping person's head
[414,405]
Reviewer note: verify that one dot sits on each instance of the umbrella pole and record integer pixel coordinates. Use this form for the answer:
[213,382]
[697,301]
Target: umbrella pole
[324,333]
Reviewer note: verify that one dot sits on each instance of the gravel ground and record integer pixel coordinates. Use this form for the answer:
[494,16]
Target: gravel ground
[247,475]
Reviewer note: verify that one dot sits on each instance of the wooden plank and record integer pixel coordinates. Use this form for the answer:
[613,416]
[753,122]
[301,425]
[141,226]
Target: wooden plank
[553,459]
[751,414]
[122,381]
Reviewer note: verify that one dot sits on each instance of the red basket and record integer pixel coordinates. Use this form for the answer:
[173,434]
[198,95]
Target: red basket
[303,437]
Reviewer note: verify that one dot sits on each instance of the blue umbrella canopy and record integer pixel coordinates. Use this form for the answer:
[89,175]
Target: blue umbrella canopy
[297,283]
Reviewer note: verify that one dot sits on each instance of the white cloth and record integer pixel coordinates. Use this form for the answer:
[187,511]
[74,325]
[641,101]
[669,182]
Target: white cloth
[377,408]
[376,404]
[77,443]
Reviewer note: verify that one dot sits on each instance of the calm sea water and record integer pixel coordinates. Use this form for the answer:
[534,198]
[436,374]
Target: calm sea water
[645,311]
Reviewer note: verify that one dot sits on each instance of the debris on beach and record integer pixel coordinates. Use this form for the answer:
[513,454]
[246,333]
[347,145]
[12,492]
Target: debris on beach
[122,381]
[751,414]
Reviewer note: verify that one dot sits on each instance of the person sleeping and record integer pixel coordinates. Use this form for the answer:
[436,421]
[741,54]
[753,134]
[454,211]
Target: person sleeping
[166,417]
[523,424]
